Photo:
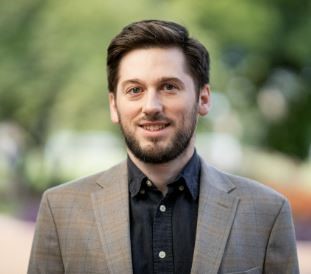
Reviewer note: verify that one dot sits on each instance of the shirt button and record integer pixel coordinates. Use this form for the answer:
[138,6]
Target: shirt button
[181,188]
[162,254]
[148,182]
[142,191]
[162,208]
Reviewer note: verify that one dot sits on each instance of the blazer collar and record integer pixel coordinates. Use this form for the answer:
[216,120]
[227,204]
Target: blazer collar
[111,207]
[217,209]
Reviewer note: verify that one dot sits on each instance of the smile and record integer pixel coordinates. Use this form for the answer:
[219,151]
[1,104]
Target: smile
[154,127]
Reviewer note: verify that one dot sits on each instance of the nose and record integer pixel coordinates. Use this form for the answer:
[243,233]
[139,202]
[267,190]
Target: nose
[152,103]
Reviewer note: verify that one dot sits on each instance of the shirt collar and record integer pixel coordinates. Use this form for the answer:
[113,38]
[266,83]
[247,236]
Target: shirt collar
[190,174]
[135,177]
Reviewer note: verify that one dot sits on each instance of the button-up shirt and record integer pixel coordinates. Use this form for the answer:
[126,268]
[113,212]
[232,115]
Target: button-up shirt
[163,228]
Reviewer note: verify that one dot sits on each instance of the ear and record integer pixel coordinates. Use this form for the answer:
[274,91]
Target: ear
[204,100]
[114,116]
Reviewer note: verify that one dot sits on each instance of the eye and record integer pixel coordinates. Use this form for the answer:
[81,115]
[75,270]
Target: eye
[169,87]
[135,90]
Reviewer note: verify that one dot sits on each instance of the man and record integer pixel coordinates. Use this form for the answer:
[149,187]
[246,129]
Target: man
[164,210]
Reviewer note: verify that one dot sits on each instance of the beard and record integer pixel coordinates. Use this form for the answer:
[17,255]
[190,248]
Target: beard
[156,153]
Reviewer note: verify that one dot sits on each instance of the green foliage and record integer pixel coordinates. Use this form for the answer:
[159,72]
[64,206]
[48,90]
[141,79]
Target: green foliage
[257,39]
[53,63]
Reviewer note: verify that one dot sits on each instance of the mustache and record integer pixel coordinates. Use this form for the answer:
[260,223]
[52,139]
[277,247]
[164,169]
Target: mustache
[155,117]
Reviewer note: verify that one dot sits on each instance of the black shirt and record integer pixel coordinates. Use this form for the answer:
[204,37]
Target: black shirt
[163,228]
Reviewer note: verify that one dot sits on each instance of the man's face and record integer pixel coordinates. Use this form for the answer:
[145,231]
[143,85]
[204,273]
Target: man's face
[156,104]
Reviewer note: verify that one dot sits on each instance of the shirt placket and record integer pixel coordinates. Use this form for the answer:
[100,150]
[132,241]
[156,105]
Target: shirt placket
[163,261]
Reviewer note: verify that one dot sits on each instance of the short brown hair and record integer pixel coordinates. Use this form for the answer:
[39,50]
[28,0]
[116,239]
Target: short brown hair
[158,33]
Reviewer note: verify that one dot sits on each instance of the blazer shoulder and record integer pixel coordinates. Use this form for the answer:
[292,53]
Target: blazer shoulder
[245,187]
[87,184]
[256,190]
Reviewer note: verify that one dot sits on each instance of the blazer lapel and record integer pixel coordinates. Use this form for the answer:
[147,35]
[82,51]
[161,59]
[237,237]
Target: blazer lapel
[111,207]
[215,217]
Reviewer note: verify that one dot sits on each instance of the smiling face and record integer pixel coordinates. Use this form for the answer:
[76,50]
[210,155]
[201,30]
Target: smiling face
[156,104]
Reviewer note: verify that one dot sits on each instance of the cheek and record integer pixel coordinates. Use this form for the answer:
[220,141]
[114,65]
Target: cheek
[133,107]
[182,109]
[128,113]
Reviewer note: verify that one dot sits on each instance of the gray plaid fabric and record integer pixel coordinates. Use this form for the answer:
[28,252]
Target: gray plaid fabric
[243,227]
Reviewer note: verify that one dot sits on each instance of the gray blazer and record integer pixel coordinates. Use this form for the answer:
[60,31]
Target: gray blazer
[242,227]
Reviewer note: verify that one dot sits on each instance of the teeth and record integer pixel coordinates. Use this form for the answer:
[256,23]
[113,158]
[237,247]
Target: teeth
[154,127]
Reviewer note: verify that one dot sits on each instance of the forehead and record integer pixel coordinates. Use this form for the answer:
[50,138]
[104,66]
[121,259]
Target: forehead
[148,63]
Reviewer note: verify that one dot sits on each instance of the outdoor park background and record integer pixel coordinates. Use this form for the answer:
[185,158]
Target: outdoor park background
[54,116]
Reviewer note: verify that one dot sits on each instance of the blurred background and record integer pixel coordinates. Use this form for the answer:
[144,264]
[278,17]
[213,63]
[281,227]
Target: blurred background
[54,116]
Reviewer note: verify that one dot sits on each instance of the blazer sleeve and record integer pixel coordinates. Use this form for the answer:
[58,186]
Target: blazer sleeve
[45,254]
[281,255]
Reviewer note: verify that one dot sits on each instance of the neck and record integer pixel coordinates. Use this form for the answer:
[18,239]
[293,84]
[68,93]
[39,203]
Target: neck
[163,174]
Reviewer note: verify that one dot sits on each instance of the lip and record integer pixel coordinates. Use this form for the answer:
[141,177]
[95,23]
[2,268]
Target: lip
[154,126]
[154,129]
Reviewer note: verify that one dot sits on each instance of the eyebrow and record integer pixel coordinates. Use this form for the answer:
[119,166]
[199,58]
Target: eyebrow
[171,79]
[130,81]
[160,80]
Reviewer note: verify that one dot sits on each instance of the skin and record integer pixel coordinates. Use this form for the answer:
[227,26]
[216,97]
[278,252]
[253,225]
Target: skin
[154,99]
